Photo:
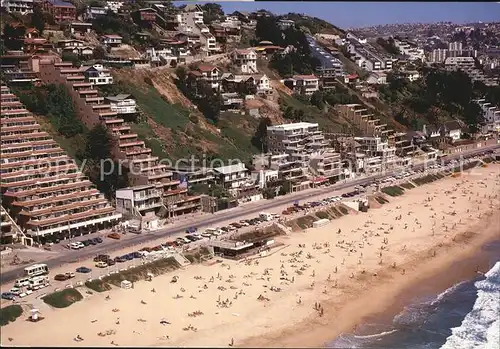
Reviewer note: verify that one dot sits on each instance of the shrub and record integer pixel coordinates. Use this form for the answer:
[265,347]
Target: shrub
[10,313]
[343,210]
[322,215]
[63,298]
[98,285]
[407,185]
[381,200]
[393,191]
[157,267]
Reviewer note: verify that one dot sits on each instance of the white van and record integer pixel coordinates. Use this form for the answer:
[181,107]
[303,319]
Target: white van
[265,216]
[38,282]
[76,245]
[36,269]
[22,282]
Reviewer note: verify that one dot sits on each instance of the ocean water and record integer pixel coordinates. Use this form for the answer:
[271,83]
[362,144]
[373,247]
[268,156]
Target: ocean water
[465,316]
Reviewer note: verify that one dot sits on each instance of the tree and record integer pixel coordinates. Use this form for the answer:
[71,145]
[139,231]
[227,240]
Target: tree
[99,52]
[71,57]
[60,109]
[317,100]
[259,139]
[267,29]
[38,19]
[212,12]
[13,36]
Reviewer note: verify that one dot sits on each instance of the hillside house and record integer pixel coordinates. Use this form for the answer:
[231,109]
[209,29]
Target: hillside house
[80,27]
[209,73]
[97,75]
[232,176]
[303,84]
[122,103]
[61,11]
[377,79]
[94,12]
[450,129]
[245,60]
[112,40]
[114,6]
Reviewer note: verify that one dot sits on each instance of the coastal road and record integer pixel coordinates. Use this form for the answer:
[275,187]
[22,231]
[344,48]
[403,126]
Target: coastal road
[216,219]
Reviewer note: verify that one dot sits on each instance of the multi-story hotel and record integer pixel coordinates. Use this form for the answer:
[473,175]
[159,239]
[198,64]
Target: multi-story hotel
[42,188]
[128,149]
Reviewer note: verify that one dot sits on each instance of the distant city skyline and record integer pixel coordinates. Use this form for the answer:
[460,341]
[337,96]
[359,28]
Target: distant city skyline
[366,14]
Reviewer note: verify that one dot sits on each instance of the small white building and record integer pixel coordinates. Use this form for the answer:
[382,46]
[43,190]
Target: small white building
[303,84]
[122,103]
[97,74]
[232,176]
[377,79]
[21,6]
[114,6]
[143,200]
[246,60]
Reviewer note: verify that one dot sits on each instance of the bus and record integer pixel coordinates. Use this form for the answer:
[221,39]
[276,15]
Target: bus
[38,282]
[36,270]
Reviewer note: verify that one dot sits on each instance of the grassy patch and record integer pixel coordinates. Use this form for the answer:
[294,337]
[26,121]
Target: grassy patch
[152,103]
[427,179]
[10,313]
[158,267]
[407,185]
[198,255]
[343,210]
[393,191]
[322,215]
[381,200]
[305,222]
[98,285]
[63,298]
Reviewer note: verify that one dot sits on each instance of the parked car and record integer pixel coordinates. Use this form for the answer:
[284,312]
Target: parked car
[76,245]
[85,243]
[98,240]
[8,295]
[191,238]
[83,270]
[120,259]
[129,256]
[101,264]
[92,242]
[101,258]
[136,254]
[114,236]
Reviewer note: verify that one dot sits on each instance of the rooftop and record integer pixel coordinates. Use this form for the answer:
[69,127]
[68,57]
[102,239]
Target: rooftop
[231,168]
[292,126]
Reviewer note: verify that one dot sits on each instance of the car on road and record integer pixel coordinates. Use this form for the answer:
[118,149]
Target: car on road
[9,296]
[92,242]
[83,270]
[120,259]
[76,245]
[86,243]
[101,264]
[64,277]
[191,238]
[128,256]
[114,236]
[97,240]
[102,258]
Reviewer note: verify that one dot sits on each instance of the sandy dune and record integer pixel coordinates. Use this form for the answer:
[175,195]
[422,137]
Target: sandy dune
[346,270]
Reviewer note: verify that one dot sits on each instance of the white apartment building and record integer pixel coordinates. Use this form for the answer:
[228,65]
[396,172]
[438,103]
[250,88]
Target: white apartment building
[143,200]
[378,153]
[157,55]
[122,104]
[97,75]
[191,15]
[112,40]
[438,55]
[299,140]
[326,164]
[21,6]
[491,115]
[367,58]
[246,60]
[414,53]
[456,47]
[467,65]
[233,176]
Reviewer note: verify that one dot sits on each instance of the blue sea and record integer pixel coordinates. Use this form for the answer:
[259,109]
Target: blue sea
[465,316]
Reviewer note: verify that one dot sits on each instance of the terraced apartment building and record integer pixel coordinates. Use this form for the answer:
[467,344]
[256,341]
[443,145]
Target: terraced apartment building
[42,188]
[130,151]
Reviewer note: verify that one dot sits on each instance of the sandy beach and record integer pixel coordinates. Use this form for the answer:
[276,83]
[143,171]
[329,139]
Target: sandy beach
[322,282]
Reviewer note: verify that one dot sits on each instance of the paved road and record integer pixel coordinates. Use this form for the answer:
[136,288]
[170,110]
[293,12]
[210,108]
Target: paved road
[216,219]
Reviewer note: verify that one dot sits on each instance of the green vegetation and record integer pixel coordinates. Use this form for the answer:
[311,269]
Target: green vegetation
[388,45]
[323,215]
[158,267]
[381,200]
[108,175]
[155,106]
[63,298]
[393,190]
[343,210]
[313,24]
[146,133]
[427,179]
[97,285]
[437,97]
[305,222]
[10,313]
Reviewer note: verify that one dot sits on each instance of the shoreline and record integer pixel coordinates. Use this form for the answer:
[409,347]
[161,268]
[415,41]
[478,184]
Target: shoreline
[435,276]
[368,284]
